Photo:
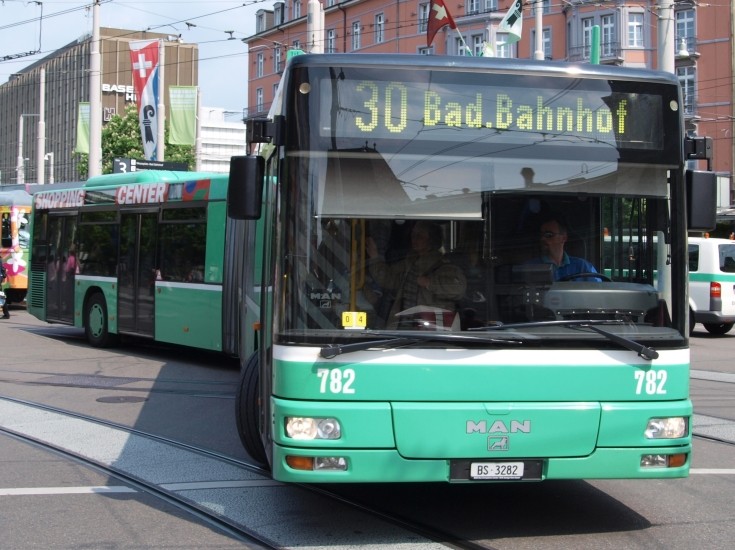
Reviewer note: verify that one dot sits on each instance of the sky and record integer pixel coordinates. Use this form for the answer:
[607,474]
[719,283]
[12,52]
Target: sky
[222,54]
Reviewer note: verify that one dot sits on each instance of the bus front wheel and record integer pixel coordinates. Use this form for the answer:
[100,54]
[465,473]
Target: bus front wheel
[95,322]
[247,411]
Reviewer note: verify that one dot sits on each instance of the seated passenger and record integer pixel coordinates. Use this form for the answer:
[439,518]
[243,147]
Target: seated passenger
[423,278]
[553,236]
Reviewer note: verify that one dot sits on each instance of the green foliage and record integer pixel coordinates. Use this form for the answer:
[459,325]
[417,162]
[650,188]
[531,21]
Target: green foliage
[121,138]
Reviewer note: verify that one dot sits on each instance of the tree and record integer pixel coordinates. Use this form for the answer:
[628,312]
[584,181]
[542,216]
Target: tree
[121,138]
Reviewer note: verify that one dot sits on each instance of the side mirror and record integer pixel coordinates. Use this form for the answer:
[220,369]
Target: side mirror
[245,188]
[701,200]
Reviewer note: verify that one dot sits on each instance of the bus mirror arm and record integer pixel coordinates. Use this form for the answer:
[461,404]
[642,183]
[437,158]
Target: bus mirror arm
[263,130]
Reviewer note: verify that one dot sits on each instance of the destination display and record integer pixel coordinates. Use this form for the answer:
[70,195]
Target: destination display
[568,111]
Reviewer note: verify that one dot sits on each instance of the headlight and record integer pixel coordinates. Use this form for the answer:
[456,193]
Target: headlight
[299,427]
[667,428]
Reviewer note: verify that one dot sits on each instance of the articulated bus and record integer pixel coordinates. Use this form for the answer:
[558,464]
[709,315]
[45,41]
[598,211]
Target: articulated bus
[15,211]
[140,254]
[516,375]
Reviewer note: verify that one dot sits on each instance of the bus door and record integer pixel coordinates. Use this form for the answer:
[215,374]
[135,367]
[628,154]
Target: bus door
[137,272]
[61,267]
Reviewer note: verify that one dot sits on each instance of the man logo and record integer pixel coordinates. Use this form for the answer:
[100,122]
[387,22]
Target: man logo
[498,443]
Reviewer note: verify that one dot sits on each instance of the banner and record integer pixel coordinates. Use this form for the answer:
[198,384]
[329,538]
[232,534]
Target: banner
[144,60]
[82,129]
[182,115]
[512,23]
[438,17]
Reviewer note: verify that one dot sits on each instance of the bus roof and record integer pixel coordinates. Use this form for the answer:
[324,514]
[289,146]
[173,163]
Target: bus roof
[150,176]
[509,65]
[15,198]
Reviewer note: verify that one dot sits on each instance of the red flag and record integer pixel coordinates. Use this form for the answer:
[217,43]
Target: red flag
[438,17]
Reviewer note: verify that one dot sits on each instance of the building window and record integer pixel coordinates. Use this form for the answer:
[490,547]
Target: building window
[687,82]
[296,9]
[425,51]
[260,66]
[296,44]
[331,41]
[635,30]
[545,6]
[259,22]
[478,41]
[472,6]
[277,60]
[545,42]
[278,14]
[330,3]
[587,25]
[259,100]
[491,5]
[423,17]
[459,44]
[379,28]
[607,30]
[685,30]
[502,48]
[356,35]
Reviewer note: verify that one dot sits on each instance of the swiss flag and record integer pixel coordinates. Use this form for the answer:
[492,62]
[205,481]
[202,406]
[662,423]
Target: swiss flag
[438,17]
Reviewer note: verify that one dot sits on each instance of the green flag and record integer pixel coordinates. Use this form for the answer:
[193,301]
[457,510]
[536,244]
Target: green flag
[83,129]
[182,118]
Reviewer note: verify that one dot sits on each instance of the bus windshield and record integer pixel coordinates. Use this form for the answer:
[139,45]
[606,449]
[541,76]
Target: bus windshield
[536,200]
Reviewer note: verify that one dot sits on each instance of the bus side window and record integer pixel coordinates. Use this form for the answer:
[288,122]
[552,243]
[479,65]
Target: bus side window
[7,238]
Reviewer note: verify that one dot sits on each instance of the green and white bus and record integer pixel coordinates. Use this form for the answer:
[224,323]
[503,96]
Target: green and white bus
[523,377]
[142,253]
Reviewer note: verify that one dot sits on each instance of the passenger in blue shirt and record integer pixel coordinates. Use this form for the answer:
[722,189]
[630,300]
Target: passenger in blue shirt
[552,238]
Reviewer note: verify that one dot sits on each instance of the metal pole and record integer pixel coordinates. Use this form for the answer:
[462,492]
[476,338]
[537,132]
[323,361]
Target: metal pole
[19,169]
[595,46]
[539,53]
[198,141]
[50,157]
[95,97]
[41,137]
[160,145]
[666,36]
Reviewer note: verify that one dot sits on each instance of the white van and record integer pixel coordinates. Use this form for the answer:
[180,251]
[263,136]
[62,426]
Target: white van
[711,284]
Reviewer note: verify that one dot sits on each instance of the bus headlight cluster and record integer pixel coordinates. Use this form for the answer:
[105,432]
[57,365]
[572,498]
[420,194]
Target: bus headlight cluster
[676,460]
[300,427]
[317,463]
[667,428]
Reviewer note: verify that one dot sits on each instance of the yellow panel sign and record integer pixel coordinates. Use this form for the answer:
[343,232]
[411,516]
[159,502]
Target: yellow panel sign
[354,319]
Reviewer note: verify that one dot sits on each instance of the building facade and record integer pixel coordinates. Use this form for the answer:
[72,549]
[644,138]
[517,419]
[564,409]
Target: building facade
[66,85]
[221,139]
[627,30]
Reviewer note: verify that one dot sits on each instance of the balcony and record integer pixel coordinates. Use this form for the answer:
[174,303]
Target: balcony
[611,53]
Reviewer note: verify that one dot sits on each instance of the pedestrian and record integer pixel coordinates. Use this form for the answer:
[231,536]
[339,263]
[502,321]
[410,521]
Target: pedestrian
[3,276]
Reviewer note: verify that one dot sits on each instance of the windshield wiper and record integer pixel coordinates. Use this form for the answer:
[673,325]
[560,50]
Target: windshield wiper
[632,345]
[398,339]
[627,343]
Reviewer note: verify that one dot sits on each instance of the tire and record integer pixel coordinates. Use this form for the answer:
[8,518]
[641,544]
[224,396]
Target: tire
[96,322]
[692,322]
[718,328]
[247,411]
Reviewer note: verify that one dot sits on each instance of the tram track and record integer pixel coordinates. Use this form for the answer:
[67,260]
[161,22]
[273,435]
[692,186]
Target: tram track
[202,514]
[221,521]
[59,381]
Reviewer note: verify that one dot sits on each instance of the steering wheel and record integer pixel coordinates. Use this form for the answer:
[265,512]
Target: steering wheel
[586,274]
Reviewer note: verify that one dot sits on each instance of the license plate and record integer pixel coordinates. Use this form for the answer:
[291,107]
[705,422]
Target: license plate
[496,470]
